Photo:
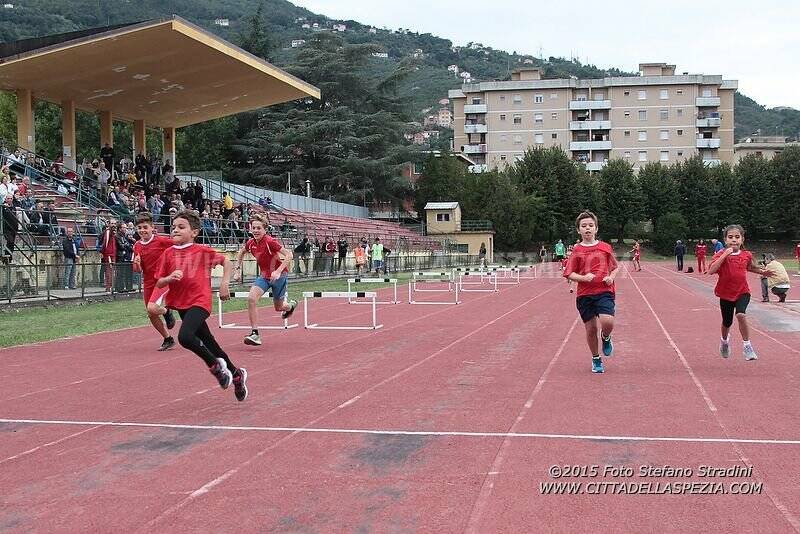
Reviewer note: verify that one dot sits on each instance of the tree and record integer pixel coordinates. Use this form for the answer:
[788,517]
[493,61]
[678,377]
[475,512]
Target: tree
[8,118]
[255,40]
[671,227]
[696,193]
[727,197]
[786,177]
[756,196]
[621,197]
[660,191]
[443,180]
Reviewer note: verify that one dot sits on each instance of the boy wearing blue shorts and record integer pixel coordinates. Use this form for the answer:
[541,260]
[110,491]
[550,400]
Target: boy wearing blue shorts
[273,264]
[593,265]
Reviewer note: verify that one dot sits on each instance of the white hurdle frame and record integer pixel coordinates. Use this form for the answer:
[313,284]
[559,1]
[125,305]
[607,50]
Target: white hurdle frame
[492,281]
[509,273]
[393,281]
[341,294]
[432,277]
[237,326]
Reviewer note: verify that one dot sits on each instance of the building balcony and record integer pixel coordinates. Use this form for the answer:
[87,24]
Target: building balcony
[589,104]
[714,122]
[707,101]
[590,125]
[477,169]
[595,165]
[474,149]
[712,162]
[589,145]
[475,128]
[475,108]
[708,143]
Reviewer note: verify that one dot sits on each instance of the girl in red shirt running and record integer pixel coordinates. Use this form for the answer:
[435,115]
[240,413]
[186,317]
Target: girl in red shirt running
[637,256]
[732,264]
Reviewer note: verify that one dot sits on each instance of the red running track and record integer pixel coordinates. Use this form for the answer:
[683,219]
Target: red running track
[448,419]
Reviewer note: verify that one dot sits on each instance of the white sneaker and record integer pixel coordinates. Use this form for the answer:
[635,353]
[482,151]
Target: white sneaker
[252,339]
[750,353]
[724,349]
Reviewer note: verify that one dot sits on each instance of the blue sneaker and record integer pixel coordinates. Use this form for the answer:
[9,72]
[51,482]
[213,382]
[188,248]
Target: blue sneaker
[597,365]
[608,347]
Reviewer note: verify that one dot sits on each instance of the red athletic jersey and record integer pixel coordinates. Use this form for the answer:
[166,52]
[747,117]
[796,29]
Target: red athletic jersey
[700,250]
[150,253]
[797,251]
[196,262]
[637,252]
[266,254]
[732,282]
[597,259]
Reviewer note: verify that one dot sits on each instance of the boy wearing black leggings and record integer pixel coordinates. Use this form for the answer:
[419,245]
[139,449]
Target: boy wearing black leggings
[184,284]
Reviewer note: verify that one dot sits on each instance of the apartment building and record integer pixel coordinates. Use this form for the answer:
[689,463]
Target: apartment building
[765,146]
[657,116]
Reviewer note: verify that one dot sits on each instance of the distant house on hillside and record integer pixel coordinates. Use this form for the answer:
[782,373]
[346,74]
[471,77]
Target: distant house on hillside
[453,69]
[382,55]
[339,27]
[418,54]
[298,42]
[373,30]
[306,26]
[218,22]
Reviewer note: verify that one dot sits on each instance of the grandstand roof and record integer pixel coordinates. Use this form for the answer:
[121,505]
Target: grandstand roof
[168,72]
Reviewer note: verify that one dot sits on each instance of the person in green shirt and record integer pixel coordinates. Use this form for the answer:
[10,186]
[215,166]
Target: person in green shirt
[377,256]
[559,251]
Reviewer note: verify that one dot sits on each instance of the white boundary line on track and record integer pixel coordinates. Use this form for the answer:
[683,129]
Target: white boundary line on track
[434,433]
[790,518]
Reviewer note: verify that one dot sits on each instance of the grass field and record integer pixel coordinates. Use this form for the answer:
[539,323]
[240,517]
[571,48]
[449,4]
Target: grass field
[33,325]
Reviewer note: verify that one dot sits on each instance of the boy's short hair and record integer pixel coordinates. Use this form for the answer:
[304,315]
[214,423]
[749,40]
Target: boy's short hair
[191,217]
[732,227]
[260,217]
[144,218]
[585,215]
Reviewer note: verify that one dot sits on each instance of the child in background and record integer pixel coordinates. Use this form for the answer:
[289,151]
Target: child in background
[732,265]
[184,284]
[700,252]
[594,267]
[637,256]
[147,254]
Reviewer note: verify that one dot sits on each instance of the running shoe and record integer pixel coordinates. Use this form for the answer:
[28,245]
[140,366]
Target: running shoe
[167,344]
[253,339]
[169,318]
[597,365]
[288,313]
[240,384]
[724,349]
[608,347]
[221,372]
[750,353]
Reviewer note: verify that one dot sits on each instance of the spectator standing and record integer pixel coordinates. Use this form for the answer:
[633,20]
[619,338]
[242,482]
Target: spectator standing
[10,227]
[124,267]
[718,245]
[302,255]
[198,195]
[559,252]
[72,256]
[108,253]
[700,253]
[377,256]
[341,247]
[361,257]
[107,155]
[103,178]
[482,255]
[227,204]
[330,251]
[542,254]
[797,255]
[680,251]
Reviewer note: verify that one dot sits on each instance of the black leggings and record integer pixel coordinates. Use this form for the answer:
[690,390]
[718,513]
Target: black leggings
[195,336]
[727,307]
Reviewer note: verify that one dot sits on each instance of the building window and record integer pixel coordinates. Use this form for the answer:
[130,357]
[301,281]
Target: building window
[626,92]
[627,154]
[554,115]
[517,139]
[664,155]
[538,118]
[553,96]
[663,114]
[539,139]
[517,119]
[663,135]
[503,138]
[642,114]
[502,98]
[599,96]
[643,155]
[680,112]
[679,91]
[680,132]
[554,136]
[680,153]
[663,94]
[476,101]
[518,98]
[642,135]
[706,93]
[538,99]
[442,217]
[581,97]
[418,167]
[627,114]
[502,157]
[627,133]
[502,116]
[642,94]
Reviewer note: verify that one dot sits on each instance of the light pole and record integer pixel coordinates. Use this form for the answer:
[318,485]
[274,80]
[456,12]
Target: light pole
[308,188]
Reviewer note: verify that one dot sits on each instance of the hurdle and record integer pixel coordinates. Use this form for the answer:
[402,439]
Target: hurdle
[492,276]
[237,326]
[341,294]
[420,277]
[392,281]
[510,275]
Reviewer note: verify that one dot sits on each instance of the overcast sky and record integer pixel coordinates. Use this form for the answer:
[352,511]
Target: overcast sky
[754,42]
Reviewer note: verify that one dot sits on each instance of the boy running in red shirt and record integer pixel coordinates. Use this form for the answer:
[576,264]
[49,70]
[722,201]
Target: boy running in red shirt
[273,261]
[593,265]
[700,252]
[732,264]
[146,258]
[184,283]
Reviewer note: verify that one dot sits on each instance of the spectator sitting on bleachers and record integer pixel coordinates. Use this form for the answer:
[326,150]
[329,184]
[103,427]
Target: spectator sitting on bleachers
[210,228]
[52,220]
[28,201]
[25,186]
[39,220]
[177,203]
[7,186]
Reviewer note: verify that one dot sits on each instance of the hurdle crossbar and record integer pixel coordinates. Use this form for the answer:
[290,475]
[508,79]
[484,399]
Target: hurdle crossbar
[482,276]
[237,326]
[341,294]
[393,281]
[510,275]
[423,277]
